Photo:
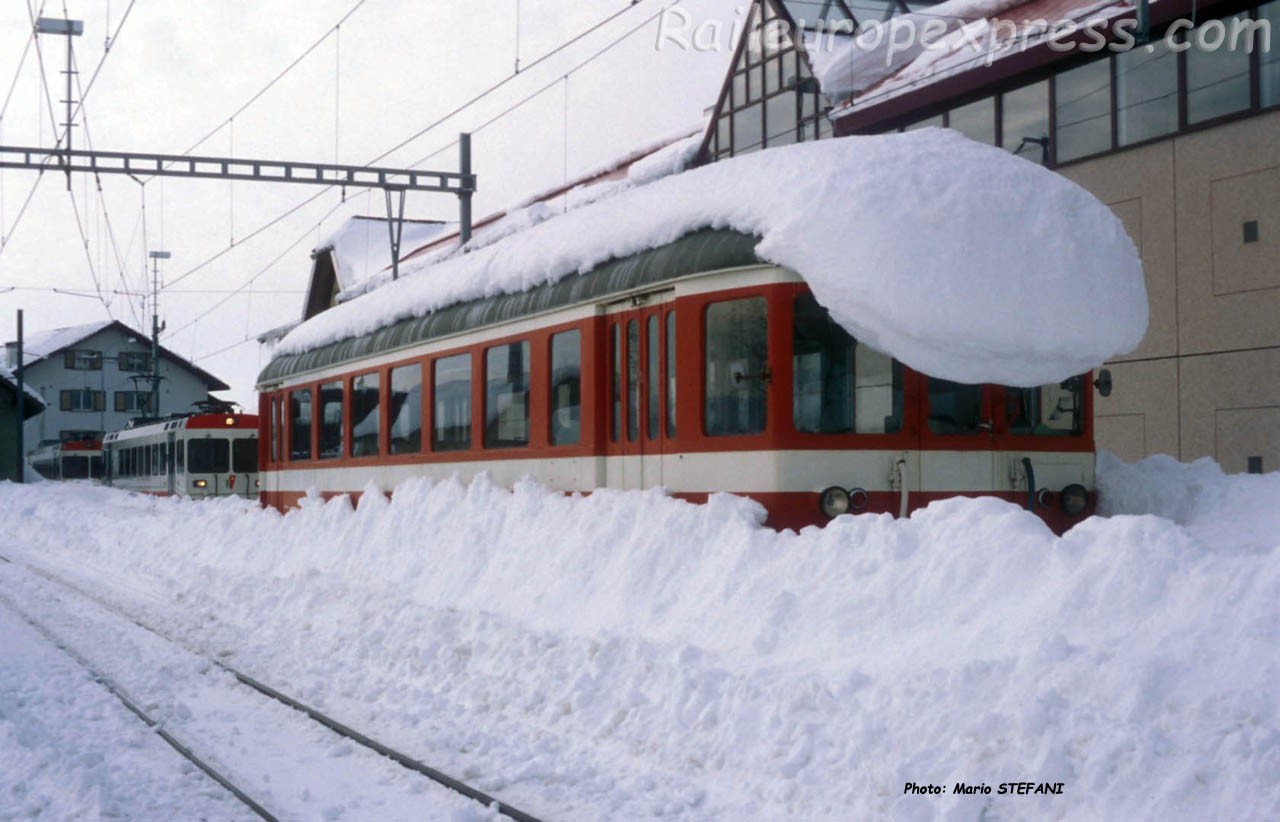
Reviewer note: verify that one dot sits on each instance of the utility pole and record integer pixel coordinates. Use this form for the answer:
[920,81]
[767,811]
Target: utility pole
[156,328]
[21,474]
[71,28]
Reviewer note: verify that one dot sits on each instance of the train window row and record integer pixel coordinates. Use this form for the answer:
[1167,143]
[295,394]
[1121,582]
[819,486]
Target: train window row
[213,455]
[838,386]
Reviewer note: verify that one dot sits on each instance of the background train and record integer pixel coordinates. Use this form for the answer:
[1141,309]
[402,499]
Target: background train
[695,367]
[209,454]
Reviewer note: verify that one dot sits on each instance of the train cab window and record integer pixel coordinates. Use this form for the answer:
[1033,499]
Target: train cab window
[300,425]
[737,374]
[955,408]
[838,384]
[506,406]
[244,456]
[330,420]
[75,468]
[1047,410]
[406,409]
[365,413]
[566,388]
[452,404]
[209,456]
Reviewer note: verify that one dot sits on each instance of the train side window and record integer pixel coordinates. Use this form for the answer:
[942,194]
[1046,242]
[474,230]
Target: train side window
[406,409]
[506,407]
[1047,410]
[365,414]
[955,408]
[633,380]
[179,454]
[671,373]
[737,366]
[275,433]
[653,377]
[452,404]
[244,455]
[330,420]
[300,424]
[209,456]
[615,383]
[566,388]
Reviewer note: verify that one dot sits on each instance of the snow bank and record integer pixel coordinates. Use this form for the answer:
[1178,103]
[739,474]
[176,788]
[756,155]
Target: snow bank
[959,259]
[626,655]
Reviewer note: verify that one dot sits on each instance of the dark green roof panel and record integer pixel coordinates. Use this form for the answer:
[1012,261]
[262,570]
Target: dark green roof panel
[701,251]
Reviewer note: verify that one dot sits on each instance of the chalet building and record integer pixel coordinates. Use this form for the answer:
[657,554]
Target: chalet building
[32,405]
[96,377]
[1180,136]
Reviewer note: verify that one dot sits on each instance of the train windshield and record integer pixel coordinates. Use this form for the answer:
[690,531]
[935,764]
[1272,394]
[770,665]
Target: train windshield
[211,456]
[75,467]
[244,456]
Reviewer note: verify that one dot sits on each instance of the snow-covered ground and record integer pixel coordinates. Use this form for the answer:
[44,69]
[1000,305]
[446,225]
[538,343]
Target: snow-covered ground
[630,656]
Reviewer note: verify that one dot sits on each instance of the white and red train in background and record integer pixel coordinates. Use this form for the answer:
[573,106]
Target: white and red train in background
[212,453]
[695,367]
[69,460]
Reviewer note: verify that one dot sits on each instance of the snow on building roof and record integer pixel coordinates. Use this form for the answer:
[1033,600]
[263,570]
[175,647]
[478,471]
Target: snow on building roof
[40,344]
[362,245]
[959,259]
[7,378]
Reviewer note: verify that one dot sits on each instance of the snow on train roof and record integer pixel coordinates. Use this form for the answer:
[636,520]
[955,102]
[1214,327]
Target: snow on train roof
[959,259]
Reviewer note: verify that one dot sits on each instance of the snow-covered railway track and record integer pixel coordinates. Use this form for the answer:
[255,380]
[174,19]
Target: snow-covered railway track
[112,626]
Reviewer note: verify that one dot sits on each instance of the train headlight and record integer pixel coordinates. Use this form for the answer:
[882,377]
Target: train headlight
[229,421]
[1074,499]
[201,483]
[834,501]
[257,483]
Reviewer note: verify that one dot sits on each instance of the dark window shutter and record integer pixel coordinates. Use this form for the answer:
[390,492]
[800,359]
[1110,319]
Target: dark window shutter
[99,400]
[68,359]
[120,401]
[64,400]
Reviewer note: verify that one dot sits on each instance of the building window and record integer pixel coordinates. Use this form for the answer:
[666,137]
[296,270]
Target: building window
[365,414]
[1146,93]
[736,366]
[1082,103]
[77,359]
[133,401]
[300,425]
[1024,122]
[331,420]
[506,407]
[452,404]
[1269,55]
[80,435]
[83,399]
[1217,69]
[566,388]
[406,409]
[136,361]
[977,121]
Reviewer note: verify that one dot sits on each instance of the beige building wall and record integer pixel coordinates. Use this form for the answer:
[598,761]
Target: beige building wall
[1205,380]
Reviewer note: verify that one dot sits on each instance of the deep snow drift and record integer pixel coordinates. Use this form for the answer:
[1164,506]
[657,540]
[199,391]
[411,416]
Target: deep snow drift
[627,655]
[957,258]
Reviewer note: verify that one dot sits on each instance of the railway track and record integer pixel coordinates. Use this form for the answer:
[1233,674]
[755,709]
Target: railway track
[210,764]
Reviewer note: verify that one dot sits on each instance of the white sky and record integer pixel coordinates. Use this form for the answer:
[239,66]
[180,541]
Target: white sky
[179,69]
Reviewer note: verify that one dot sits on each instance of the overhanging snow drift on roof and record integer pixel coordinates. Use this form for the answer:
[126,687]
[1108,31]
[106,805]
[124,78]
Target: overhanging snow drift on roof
[957,258]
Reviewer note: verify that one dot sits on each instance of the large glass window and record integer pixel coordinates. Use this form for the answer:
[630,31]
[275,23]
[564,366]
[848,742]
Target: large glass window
[452,398]
[244,456]
[566,387]
[955,408]
[977,121]
[671,373]
[1048,410]
[85,399]
[1024,117]
[1217,69]
[406,409]
[208,456]
[737,366]
[506,421]
[1146,93]
[365,415]
[300,425]
[1082,99]
[1269,54]
[839,385]
[331,420]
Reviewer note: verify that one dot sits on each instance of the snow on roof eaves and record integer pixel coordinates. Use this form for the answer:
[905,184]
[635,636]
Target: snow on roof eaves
[7,377]
[957,258]
[41,344]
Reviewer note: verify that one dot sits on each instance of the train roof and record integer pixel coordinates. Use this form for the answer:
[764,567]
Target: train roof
[959,259]
[223,421]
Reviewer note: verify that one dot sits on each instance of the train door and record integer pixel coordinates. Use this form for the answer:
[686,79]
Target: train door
[170,466]
[638,389]
[957,440]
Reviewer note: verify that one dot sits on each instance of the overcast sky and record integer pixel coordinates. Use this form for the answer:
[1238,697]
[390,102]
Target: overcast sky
[178,70]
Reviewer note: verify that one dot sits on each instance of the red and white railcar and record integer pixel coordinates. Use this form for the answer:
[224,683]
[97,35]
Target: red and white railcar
[70,460]
[195,455]
[695,367]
